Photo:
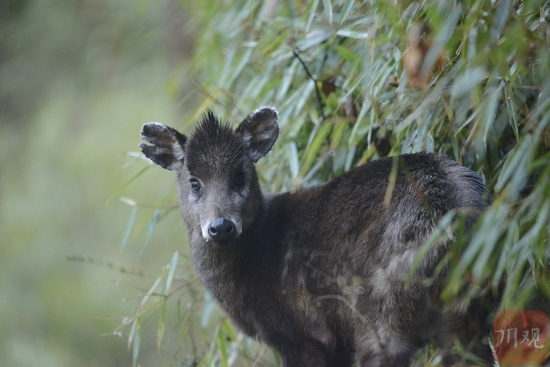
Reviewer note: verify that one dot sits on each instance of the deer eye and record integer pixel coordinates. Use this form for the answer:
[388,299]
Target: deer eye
[239,181]
[195,185]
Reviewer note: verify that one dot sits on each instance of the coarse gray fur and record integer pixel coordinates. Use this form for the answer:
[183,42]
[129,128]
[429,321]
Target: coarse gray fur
[321,274]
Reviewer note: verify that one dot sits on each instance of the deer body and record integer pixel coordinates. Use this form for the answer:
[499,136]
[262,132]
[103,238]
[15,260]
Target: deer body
[320,274]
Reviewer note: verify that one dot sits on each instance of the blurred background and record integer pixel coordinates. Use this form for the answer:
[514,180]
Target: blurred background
[77,81]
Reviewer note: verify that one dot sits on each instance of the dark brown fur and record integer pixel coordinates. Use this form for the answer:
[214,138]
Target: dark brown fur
[321,275]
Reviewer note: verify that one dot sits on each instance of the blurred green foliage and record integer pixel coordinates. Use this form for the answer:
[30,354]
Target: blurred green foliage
[356,81]
[77,80]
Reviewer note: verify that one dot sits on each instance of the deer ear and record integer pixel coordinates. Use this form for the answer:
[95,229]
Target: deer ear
[167,145]
[259,132]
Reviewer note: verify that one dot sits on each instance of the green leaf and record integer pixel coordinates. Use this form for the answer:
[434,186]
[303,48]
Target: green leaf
[134,339]
[327,5]
[345,12]
[228,331]
[348,55]
[293,159]
[312,13]
[349,33]
[321,134]
[222,347]
[514,171]
[287,79]
[338,134]
[129,226]
[125,186]
[153,221]
[466,82]
[315,38]
[162,323]
[487,244]
[171,271]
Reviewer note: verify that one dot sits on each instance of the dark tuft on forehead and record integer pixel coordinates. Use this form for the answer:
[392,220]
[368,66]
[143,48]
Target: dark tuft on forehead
[213,146]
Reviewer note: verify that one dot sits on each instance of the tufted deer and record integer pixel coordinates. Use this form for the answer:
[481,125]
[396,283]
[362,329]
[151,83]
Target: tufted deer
[321,274]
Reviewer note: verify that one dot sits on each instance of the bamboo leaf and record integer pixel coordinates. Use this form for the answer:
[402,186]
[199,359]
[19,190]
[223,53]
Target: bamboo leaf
[328,10]
[162,323]
[487,245]
[313,149]
[467,81]
[349,33]
[314,38]
[338,134]
[287,79]
[222,347]
[228,330]
[153,221]
[345,12]
[134,339]
[514,172]
[347,54]
[312,13]
[171,272]
[293,159]
[129,226]
[125,186]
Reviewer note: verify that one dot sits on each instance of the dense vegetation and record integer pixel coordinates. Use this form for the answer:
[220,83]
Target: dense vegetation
[355,81]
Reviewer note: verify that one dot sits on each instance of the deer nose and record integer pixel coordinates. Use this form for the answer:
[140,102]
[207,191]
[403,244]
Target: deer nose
[221,229]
